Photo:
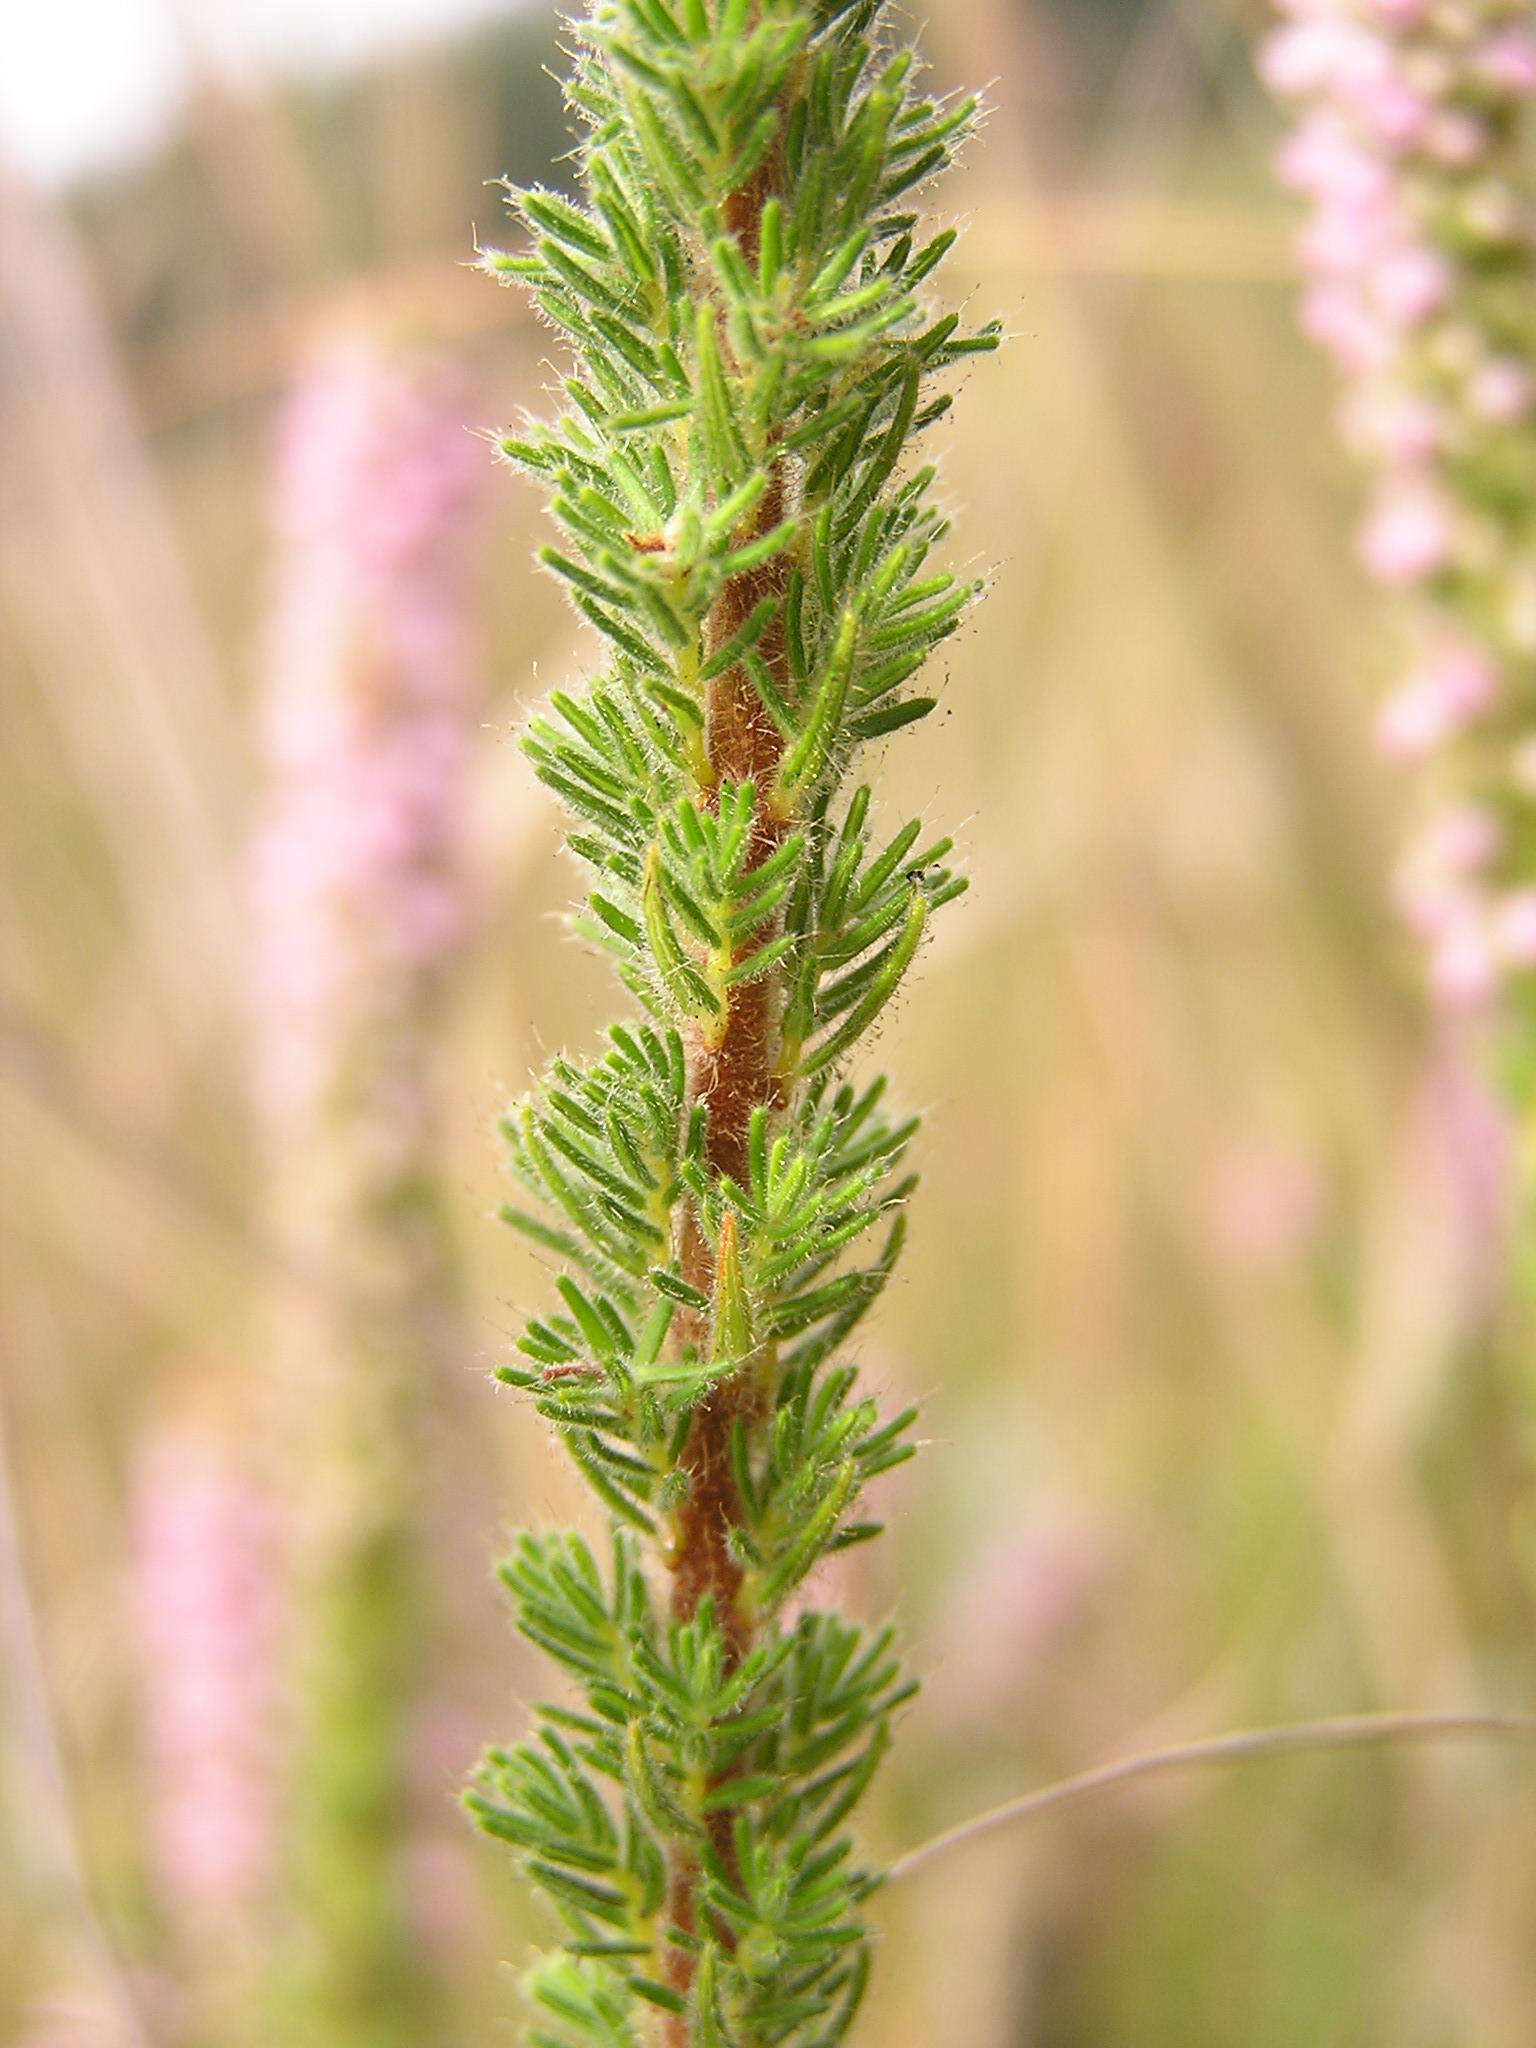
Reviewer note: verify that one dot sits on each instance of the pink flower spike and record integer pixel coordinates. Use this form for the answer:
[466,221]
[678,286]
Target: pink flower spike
[1507,61]
[1418,251]
[1412,284]
[1432,887]
[1502,391]
[1411,723]
[1320,52]
[1465,678]
[1362,64]
[1391,423]
[1336,319]
[371,693]
[1394,112]
[1515,928]
[204,1560]
[1407,536]
[1459,841]
[1323,160]
[1293,61]
[1340,241]
[1463,973]
[1428,904]
[1442,696]
[1456,139]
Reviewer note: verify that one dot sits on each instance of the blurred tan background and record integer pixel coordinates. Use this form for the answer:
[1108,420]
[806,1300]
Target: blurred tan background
[1202,1293]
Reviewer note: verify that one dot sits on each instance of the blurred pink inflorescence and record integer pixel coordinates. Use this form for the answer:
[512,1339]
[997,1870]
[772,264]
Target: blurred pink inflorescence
[207,1613]
[369,711]
[1024,1593]
[1420,258]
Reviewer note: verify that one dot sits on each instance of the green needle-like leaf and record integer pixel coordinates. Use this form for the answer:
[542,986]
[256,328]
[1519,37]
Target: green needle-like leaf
[742,290]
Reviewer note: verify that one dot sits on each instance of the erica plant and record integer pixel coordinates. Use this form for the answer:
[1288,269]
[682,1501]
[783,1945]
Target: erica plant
[206,1611]
[1413,151]
[746,522]
[370,706]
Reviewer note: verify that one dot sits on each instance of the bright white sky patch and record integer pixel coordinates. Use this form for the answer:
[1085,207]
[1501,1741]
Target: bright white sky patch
[87,83]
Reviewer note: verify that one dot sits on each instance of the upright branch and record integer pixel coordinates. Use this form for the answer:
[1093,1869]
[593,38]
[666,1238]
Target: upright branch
[741,287]
[1413,151]
[1414,148]
[359,900]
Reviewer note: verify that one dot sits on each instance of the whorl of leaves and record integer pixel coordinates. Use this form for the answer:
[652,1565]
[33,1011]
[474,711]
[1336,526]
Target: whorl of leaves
[743,518]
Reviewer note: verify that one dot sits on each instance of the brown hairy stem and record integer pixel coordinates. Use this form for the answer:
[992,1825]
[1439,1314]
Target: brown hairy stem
[732,1070]
[731,1074]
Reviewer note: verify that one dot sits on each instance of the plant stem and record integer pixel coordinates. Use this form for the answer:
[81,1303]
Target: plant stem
[732,1070]
[1341,1731]
[744,293]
